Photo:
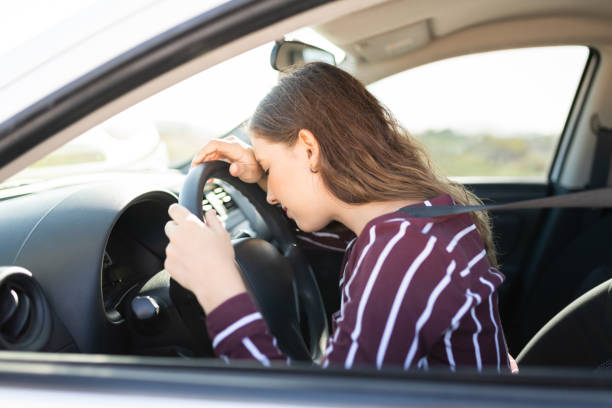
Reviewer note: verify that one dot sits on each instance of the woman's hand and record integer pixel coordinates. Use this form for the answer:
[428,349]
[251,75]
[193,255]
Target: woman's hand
[513,366]
[201,257]
[239,154]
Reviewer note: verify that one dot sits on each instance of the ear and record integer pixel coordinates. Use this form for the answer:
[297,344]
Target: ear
[310,144]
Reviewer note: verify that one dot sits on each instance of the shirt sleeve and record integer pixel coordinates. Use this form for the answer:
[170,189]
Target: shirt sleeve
[398,298]
[398,280]
[238,331]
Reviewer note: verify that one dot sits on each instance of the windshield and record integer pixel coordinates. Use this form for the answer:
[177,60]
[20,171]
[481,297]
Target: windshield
[43,51]
[167,129]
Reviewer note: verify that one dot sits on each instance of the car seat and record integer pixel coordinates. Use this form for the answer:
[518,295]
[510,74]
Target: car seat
[580,335]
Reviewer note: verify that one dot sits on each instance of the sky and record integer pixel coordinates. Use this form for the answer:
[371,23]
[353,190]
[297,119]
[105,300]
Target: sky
[23,20]
[506,92]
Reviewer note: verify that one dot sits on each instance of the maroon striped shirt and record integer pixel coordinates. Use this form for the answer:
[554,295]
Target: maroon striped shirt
[416,292]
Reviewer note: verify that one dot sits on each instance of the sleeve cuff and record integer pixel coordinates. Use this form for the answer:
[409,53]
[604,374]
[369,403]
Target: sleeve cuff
[230,318]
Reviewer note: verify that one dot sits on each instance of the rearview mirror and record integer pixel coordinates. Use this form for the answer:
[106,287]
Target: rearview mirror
[288,53]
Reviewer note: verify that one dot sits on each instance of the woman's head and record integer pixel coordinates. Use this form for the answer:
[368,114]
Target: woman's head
[362,147]
[363,154]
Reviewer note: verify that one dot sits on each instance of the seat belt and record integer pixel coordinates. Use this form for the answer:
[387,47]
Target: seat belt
[598,198]
[601,159]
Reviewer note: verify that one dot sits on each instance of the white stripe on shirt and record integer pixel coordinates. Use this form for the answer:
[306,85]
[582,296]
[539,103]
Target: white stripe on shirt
[397,220]
[454,325]
[426,228]
[423,364]
[346,264]
[356,269]
[490,285]
[427,312]
[313,242]
[325,234]
[333,339]
[350,358]
[343,275]
[275,344]
[458,236]
[235,326]
[497,274]
[255,352]
[399,298]
[473,262]
[478,330]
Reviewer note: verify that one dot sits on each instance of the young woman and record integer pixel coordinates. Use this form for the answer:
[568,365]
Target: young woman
[415,292]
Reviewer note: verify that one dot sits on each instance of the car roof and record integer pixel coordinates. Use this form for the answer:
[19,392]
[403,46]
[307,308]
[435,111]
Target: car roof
[391,36]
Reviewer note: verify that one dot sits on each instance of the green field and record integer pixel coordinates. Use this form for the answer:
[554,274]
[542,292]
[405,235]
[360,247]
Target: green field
[456,154]
[487,155]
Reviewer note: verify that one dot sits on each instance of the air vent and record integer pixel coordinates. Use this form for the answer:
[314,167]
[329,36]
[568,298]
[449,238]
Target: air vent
[25,319]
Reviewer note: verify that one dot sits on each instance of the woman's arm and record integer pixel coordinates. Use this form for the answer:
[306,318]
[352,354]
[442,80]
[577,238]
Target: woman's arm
[238,332]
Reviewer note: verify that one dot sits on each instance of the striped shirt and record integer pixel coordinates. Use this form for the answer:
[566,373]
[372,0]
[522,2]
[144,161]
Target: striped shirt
[416,292]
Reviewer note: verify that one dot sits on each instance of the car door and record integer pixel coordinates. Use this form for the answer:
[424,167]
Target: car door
[69,380]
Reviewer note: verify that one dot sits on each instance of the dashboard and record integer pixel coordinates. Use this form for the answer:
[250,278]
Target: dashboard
[92,248]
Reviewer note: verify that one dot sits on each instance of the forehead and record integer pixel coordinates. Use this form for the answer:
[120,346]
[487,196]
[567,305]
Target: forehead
[258,145]
[264,149]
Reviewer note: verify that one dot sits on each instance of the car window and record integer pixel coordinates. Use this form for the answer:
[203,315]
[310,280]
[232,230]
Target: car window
[491,114]
[168,128]
[43,51]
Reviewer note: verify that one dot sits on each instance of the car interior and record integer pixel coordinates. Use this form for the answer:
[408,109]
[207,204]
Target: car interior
[87,257]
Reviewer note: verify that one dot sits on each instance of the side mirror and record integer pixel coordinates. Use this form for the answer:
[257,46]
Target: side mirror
[288,53]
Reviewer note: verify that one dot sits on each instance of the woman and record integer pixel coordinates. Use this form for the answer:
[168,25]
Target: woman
[415,292]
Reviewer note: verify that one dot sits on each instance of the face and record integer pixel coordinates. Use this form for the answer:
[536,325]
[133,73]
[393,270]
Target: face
[291,184]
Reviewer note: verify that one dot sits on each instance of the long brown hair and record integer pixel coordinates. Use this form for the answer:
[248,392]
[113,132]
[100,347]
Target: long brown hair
[366,155]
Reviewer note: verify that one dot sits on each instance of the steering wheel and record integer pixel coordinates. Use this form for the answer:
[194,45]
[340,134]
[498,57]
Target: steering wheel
[280,281]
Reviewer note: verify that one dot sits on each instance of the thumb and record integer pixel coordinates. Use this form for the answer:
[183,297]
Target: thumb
[234,169]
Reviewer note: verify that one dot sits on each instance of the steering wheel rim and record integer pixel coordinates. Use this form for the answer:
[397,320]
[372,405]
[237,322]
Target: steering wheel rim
[302,279]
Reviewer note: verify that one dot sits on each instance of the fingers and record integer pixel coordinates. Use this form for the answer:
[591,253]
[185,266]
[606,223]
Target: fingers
[213,221]
[207,153]
[243,163]
[229,149]
[179,213]
[170,228]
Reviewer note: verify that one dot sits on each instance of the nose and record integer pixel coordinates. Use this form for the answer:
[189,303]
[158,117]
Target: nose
[270,197]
